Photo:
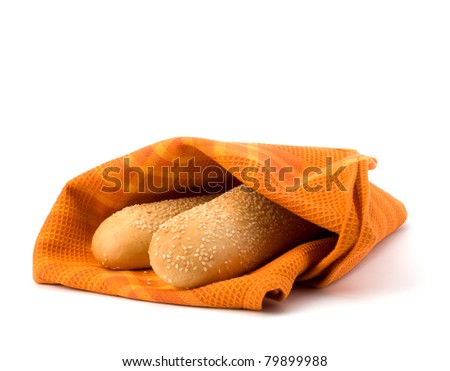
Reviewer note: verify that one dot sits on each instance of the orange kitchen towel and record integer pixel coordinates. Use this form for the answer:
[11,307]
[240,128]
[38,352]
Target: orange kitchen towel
[326,186]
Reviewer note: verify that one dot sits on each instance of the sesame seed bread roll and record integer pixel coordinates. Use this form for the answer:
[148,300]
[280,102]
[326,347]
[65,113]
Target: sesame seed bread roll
[227,237]
[121,241]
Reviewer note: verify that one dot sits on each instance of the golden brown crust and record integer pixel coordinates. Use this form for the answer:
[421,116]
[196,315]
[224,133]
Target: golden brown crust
[122,240]
[224,238]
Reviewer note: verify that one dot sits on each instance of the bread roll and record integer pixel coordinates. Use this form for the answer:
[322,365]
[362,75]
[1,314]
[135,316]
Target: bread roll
[225,238]
[122,240]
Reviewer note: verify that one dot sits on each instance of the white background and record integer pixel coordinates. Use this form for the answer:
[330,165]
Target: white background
[82,82]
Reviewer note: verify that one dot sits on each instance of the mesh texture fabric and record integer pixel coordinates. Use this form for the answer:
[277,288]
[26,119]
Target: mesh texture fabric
[357,212]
